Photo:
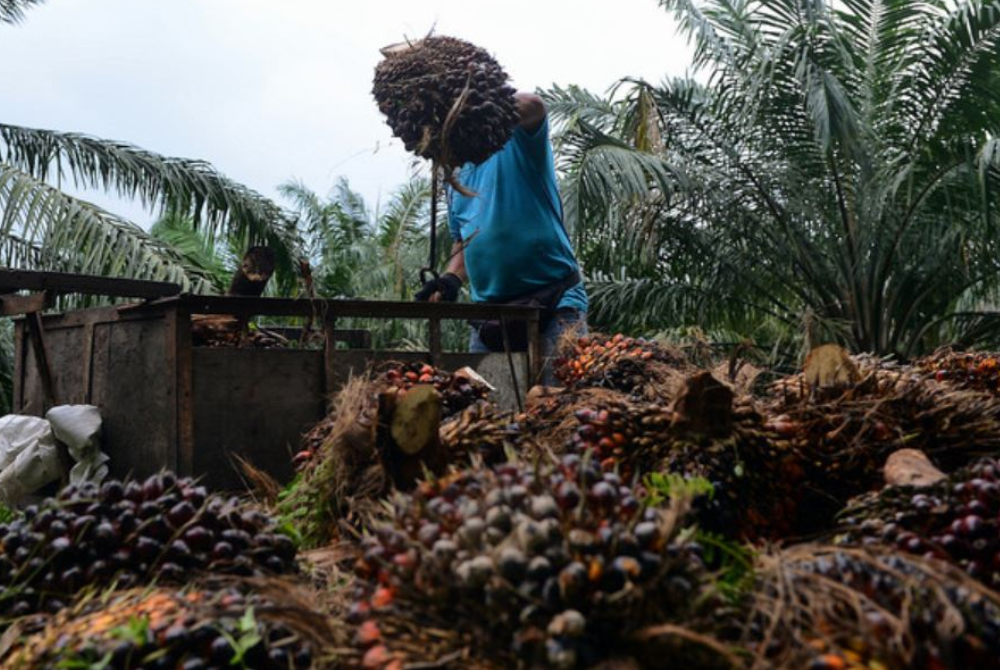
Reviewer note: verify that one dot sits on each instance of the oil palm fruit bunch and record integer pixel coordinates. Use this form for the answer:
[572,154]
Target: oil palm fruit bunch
[162,628]
[458,391]
[957,519]
[632,365]
[622,436]
[978,371]
[164,528]
[827,608]
[847,435]
[558,564]
[447,100]
[757,482]
[481,430]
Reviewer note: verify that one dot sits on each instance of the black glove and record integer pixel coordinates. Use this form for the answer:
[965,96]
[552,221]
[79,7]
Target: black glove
[448,285]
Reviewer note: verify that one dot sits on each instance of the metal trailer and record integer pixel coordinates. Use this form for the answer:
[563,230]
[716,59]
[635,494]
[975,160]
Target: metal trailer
[167,403]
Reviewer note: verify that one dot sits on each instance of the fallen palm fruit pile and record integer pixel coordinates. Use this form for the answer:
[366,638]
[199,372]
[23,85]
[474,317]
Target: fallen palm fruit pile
[557,565]
[829,608]
[384,432]
[192,629]
[977,371]
[164,528]
[447,100]
[622,522]
[846,433]
[956,519]
[636,366]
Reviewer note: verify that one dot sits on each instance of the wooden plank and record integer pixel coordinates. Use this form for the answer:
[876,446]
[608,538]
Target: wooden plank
[183,364]
[131,388]
[246,307]
[255,404]
[88,362]
[13,305]
[67,283]
[20,352]
[329,363]
[434,340]
[42,358]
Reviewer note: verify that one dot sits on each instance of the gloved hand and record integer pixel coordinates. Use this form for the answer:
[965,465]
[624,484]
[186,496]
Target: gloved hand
[448,285]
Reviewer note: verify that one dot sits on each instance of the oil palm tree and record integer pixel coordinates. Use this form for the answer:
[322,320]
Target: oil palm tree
[360,252]
[43,227]
[833,165]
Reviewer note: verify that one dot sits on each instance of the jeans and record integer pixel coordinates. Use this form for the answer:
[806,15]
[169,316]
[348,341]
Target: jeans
[564,320]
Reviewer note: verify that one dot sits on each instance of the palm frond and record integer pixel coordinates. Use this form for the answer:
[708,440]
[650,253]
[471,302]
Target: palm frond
[54,231]
[12,11]
[195,188]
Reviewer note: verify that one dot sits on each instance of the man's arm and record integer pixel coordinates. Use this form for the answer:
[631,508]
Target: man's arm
[456,266]
[530,111]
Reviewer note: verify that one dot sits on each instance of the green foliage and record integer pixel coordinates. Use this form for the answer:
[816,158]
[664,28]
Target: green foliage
[247,637]
[12,11]
[732,563]
[358,252]
[829,175]
[663,486]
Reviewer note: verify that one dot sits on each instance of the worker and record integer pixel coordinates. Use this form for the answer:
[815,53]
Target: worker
[510,243]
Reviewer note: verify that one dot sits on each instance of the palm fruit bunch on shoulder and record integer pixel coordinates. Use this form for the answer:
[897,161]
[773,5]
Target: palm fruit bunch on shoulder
[632,365]
[161,628]
[481,431]
[978,371]
[447,100]
[827,608]
[164,528]
[557,564]
[957,519]
[458,391]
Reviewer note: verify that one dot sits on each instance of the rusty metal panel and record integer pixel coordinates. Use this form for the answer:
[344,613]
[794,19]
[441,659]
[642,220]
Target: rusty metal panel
[256,404]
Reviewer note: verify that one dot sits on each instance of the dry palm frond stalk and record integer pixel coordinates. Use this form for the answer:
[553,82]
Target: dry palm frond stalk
[266,624]
[383,432]
[163,528]
[448,100]
[555,565]
[846,433]
[639,367]
[825,607]
[957,519]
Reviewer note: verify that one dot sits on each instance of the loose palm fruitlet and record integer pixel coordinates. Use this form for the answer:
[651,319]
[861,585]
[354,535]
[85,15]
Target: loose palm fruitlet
[827,608]
[636,366]
[160,628]
[560,565]
[977,371]
[448,100]
[163,528]
[457,391]
[957,519]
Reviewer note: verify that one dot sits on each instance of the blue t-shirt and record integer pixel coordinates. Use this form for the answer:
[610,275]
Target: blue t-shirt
[517,243]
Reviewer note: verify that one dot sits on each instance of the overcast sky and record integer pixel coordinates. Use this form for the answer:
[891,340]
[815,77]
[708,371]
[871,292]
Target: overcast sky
[268,91]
